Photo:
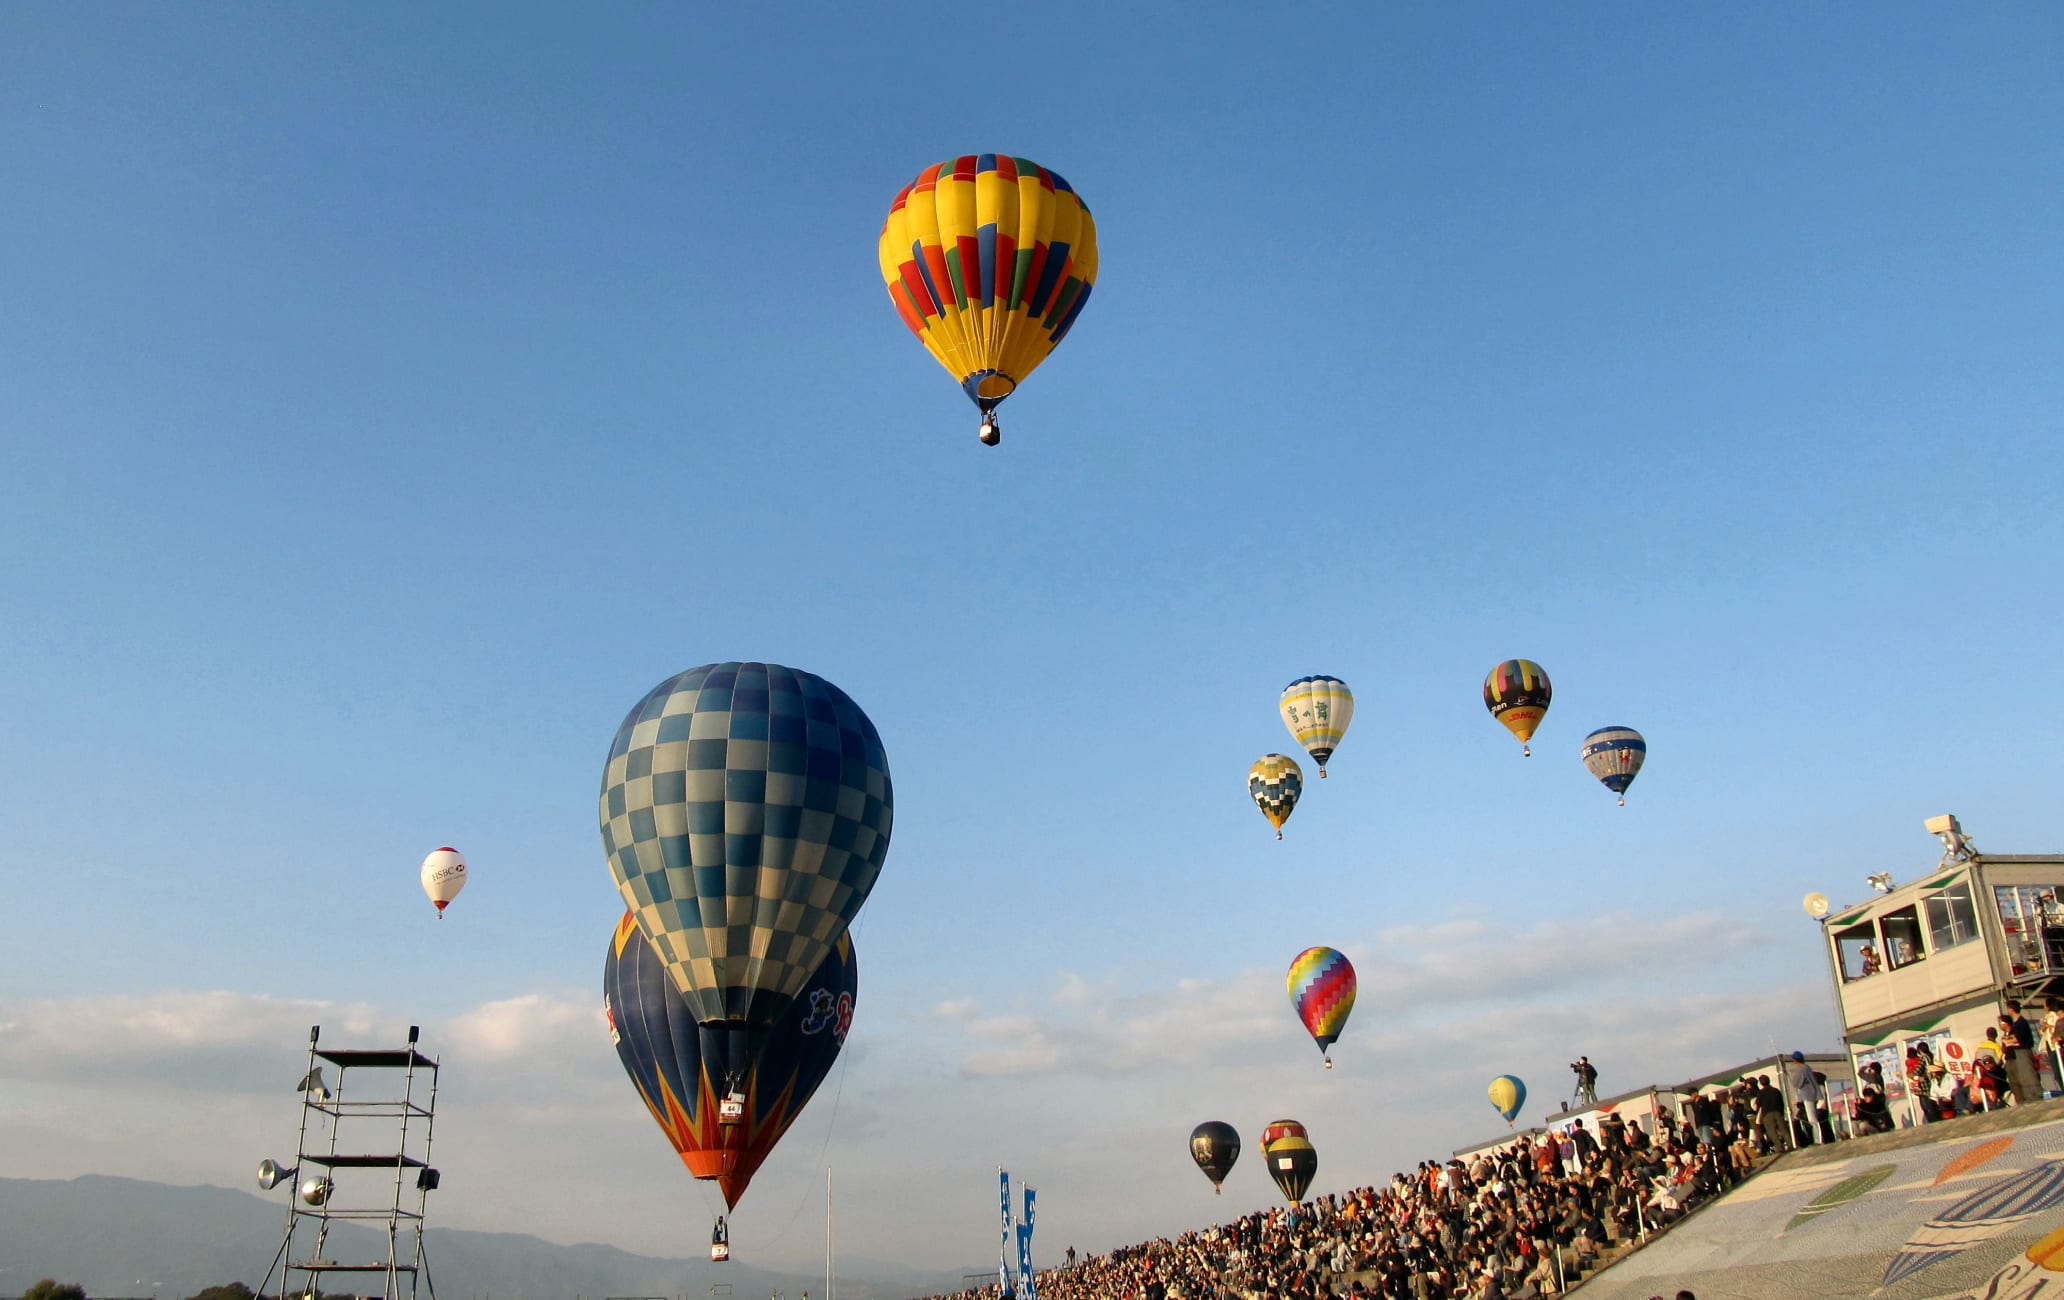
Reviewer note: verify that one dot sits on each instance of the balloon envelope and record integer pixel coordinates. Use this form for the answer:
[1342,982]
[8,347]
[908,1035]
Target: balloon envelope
[1322,989]
[1214,1145]
[1276,1130]
[1517,693]
[1292,1162]
[988,259]
[659,1044]
[745,813]
[1508,1094]
[1317,711]
[1275,782]
[1614,755]
[444,875]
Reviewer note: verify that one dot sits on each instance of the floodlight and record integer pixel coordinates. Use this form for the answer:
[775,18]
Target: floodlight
[427,1180]
[271,1173]
[1956,846]
[312,1084]
[316,1191]
[1880,881]
[1816,905]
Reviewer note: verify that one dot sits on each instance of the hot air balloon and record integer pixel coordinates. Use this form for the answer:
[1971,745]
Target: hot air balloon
[989,259]
[444,875]
[1215,1146]
[1517,694]
[1275,782]
[1280,1128]
[1322,989]
[1508,1094]
[657,1040]
[1615,756]
[745,814]
[1317,711]
[1292,1162]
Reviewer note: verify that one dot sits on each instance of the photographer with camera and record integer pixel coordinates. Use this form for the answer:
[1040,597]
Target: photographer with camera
[1587,1080]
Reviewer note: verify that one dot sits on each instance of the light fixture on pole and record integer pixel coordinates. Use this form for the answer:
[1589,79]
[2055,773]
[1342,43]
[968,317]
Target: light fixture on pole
[312,1084]
[271,1173]
[1816,905]
[1880,881]
[1956,846]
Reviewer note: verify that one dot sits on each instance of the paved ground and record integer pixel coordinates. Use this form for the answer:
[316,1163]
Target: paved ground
[1971,1208]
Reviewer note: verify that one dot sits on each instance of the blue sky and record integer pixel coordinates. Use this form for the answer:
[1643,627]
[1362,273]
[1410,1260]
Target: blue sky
[389,398]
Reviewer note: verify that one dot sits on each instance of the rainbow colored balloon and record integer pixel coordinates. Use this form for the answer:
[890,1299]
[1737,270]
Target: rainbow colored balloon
[1317,711]
[1322,988]
[1517,694]
[989,259]
[1275,782]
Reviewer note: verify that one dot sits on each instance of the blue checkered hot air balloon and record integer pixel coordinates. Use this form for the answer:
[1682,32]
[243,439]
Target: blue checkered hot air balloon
[745,814]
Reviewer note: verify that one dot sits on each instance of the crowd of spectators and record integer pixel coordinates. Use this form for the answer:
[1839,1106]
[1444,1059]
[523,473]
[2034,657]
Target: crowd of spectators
[1515,1222]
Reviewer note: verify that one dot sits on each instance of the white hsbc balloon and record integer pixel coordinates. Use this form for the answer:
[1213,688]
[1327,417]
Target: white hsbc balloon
[444,875]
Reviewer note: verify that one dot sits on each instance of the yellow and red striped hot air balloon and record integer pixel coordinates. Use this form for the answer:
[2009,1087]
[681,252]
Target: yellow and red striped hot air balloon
[989,260]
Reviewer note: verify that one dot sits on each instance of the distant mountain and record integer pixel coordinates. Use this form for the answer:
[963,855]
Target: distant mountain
[123,1237]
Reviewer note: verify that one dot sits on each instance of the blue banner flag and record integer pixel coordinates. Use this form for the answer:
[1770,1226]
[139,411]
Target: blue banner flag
[1026,1290]
[1003,1251]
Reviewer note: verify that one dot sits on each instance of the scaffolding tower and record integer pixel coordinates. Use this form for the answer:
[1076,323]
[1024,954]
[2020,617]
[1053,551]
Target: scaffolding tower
[342,1160]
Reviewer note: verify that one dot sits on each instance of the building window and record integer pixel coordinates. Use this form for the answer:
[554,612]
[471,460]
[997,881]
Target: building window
[1952,918]
[1857,950]
[1902,931]
[2024,910]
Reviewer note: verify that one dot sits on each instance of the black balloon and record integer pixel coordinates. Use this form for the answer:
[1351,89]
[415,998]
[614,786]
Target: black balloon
[1291,1162]
[1214,1146]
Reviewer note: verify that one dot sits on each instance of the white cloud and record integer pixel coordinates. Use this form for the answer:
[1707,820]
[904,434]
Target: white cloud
[171,1038]
[1094,1075]
[1410,981]
[519,1026]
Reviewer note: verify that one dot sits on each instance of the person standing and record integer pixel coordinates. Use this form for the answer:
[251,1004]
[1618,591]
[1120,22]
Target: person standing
[1770,1115]
[1587,1080]
[1705,1118]
[2017,1036]
[1810,1087]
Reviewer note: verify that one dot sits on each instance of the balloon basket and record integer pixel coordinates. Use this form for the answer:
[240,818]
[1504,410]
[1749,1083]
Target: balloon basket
[1329,1062]
[1525,750]
[1623,801]
[1279,834]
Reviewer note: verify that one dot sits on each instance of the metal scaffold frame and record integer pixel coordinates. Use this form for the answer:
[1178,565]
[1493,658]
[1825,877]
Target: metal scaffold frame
[406,1109]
